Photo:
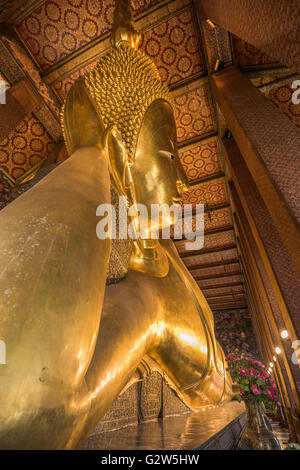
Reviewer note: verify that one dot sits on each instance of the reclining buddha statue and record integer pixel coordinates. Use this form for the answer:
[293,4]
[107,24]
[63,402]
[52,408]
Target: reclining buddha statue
[78,314]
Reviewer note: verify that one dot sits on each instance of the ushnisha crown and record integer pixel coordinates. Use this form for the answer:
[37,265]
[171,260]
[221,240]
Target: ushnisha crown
[123,85]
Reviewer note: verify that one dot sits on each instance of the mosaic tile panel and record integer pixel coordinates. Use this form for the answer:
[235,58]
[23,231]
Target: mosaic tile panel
[217,270]
[214,240]
[9,67]
[220,281]
[59,28]
[265,80]
[193,114]
[212,192]
[211,258]
[63,87]
[231,299]
[202,160]
[234,298]
[215,219]
[25,147]
[173,47]
[217,42]
[282,98]
[233,290]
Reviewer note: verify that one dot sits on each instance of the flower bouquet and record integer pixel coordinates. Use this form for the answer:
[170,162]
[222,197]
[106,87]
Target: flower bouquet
[259,392]
[255,382]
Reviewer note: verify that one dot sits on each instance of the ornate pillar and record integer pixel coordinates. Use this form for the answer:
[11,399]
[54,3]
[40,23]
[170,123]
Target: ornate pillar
[269,142]
[271,26]
[21,100]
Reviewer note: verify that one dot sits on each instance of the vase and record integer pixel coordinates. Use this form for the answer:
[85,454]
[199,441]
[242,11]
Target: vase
[257,434]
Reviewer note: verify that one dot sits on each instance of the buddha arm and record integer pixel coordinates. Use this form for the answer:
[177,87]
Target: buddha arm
[141,315]
[52,281]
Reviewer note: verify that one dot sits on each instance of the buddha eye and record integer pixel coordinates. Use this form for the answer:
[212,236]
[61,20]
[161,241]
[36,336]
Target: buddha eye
[166,154]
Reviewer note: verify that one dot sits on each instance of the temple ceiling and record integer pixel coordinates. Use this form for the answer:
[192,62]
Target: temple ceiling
[51,43]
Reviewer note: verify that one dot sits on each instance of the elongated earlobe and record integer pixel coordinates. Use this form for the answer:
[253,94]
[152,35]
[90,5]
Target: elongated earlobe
[119,165]
[116,153]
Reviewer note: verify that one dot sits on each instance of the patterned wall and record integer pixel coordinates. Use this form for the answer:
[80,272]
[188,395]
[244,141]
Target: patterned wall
[233,268]
[264,80]
[214,240]
[58,28]
[62,87]
[209,258]
[28,145]
[213,220]
[232,291]
[220,281]
[280,93]
[218,45]
[200,160]
[282,97]
[193,114]
[211,192]
[217,218]
[173,46]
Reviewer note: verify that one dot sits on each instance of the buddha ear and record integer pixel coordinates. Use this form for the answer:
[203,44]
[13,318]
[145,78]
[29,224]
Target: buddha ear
[119,166]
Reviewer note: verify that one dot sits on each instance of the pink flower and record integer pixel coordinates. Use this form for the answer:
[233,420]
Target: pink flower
[262,376]
[243,371]
[229,357]
[272,393]
[253,371]
[260,364]
[242,392]
[256,390]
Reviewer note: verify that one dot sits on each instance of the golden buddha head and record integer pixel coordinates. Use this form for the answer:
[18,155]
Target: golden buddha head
[131,99]
[130,114]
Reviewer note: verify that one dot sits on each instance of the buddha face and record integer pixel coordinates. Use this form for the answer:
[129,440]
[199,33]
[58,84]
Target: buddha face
[159,177]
